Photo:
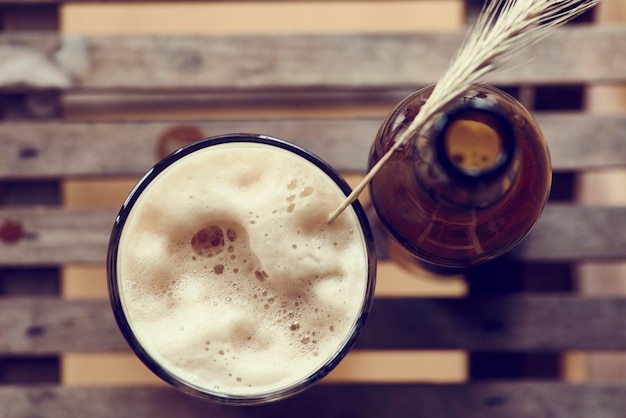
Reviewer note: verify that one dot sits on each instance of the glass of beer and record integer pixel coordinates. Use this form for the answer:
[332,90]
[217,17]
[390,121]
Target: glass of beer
[225,276]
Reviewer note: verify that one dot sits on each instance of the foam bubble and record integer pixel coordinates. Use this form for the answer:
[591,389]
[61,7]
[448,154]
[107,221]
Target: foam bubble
[208,241]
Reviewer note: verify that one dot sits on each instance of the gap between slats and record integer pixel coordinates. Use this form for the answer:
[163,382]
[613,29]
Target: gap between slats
[262,17]
[359,366]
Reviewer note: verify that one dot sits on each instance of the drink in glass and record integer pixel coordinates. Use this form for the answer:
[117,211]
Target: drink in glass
[226,278]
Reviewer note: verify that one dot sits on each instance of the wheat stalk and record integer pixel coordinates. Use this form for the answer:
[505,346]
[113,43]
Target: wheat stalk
[502,30]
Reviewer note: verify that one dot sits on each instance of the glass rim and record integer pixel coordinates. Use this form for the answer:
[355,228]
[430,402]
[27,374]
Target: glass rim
[115,297]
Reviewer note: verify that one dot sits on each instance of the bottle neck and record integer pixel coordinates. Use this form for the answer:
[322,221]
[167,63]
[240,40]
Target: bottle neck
[473,152]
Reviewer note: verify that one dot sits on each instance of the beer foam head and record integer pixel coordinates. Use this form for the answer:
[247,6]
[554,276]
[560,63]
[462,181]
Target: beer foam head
[230,276]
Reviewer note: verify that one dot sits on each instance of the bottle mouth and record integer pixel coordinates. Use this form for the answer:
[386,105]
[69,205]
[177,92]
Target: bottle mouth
[475,142]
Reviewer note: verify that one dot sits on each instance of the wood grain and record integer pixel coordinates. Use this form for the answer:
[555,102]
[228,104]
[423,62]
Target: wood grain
[474,400]
[56,236]
[313,62]
[37,326]
[306,70]
[61,236]
[576,233]
[57,149]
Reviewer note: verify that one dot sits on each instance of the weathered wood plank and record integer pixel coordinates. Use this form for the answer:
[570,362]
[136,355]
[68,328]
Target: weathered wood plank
[473,400]
[37,326]
[47,43]
[52,325]
[52,236]
[584,141]
[523,323]
[336,61]
[320,61]
[576,233]
[75,149]
[35,150]
[27,61]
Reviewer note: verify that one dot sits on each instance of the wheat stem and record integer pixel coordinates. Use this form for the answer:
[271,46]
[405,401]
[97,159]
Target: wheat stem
[503,29]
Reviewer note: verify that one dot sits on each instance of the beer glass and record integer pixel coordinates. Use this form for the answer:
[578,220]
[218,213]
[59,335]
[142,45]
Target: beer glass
[226,278]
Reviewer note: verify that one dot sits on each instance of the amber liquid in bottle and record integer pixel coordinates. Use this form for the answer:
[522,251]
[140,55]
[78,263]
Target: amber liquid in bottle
[468,187]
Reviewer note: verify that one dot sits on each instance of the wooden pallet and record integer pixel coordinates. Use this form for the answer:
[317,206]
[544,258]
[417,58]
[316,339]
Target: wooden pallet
[81,107]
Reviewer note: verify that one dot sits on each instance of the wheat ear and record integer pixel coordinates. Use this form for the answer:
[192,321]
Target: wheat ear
[503,29]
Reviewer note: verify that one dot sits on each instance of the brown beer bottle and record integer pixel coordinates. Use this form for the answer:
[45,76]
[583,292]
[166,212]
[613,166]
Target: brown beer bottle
[469,186]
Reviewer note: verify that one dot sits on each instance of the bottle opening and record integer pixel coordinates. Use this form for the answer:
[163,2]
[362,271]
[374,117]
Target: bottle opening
[476,143]
[473,144]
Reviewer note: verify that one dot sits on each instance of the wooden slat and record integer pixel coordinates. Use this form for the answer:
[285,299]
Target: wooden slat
[35,150]
[54,236]
[475,400]
[575,233]
[46,44]
[52,325]
[347,62]
[533,323]
[37,326]
[132,148]
[580,141]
